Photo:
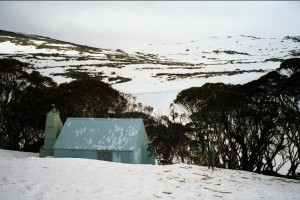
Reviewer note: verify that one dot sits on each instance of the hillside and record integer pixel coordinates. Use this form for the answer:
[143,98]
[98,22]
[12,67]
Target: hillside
[25,176]
[155,73]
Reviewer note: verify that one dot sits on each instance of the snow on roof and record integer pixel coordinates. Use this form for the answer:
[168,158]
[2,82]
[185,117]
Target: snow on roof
[100,134]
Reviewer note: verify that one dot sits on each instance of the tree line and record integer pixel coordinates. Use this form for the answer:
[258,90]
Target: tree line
[253,127]
[26,97]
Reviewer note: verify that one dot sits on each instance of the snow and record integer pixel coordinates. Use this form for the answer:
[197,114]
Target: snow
[256,48]
[160,94]
[26,176]
[285,72]
[60,45]
[37,42]
[12,48]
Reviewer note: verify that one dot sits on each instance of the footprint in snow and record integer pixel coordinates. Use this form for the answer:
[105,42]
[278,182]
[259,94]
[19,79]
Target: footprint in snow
[187,167]
[167,192]
[206,177]
[224,192]
[217,196]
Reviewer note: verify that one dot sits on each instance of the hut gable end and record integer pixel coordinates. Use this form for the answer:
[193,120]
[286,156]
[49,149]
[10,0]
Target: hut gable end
[100,134]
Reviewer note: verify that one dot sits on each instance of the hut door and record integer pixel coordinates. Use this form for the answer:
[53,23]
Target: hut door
[105,155]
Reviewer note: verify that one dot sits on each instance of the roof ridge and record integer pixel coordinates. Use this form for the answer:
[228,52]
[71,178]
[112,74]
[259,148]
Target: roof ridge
[91,118]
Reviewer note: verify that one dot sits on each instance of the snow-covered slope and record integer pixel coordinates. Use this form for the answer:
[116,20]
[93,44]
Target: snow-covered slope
[232,59]
[29,177]
[154,73]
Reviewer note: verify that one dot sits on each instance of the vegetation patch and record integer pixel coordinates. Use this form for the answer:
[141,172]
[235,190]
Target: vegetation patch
[293,38]
[175,76]
[230,52]
[119,79]
[253,37]
[295,52]
[274,60]
[192,67]
[82,74]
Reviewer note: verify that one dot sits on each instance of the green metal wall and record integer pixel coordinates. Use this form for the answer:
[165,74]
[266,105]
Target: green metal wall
[116,156]
[123,157]
[75,153]
[131,157]
[145,158]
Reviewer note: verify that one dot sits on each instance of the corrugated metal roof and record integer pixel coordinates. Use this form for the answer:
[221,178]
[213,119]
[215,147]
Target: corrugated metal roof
[100,134]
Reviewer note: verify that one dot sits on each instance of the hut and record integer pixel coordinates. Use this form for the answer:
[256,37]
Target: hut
[116,140]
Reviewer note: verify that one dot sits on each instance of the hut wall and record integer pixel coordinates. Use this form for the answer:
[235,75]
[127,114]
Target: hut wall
[75,153]
[123,157]
[143,144]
